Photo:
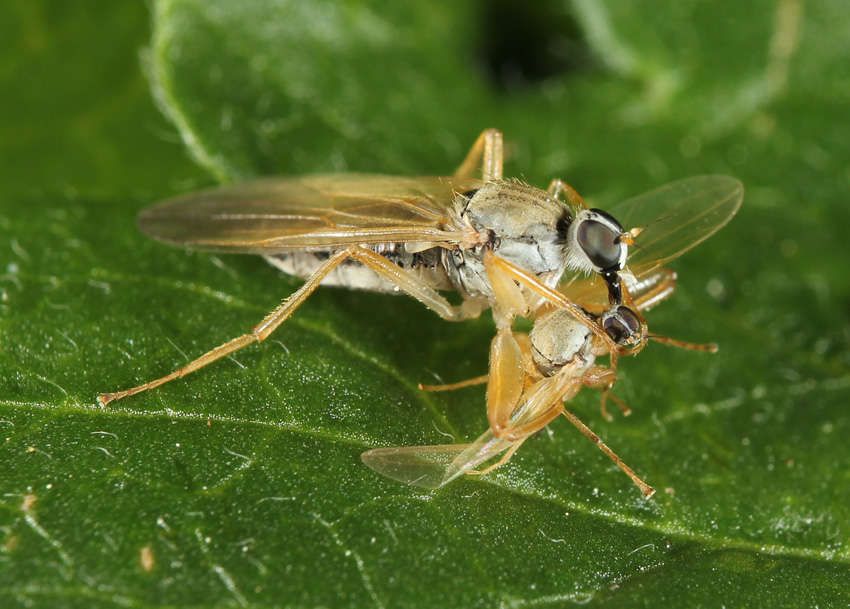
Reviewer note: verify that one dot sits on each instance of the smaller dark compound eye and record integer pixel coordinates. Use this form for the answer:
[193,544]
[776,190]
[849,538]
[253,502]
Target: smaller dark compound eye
[598,236]
[621,325]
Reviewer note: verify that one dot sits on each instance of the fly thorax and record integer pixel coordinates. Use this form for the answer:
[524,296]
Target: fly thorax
[558,339]
[522,224]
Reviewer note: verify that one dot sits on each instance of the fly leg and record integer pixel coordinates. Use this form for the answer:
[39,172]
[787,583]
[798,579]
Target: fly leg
[506,380]
[508,301]
[486,154]
[495,265]
[603,403]
[514,411]
[606,393]
[647,490]
[412,286]
[257,334]
[507,457]
[558,187]
[602,378]
[405,282]
[478,380]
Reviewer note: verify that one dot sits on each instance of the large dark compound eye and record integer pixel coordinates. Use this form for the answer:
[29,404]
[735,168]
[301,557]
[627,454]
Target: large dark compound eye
[598,235]
[621,324]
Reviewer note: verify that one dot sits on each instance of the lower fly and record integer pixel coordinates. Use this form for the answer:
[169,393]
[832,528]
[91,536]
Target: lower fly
[531,377]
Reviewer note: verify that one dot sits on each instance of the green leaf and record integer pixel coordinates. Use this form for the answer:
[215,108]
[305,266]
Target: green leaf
[77,112]
[242,484]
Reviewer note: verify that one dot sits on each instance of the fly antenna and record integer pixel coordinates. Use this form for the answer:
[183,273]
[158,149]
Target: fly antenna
[710,347]
[628,237]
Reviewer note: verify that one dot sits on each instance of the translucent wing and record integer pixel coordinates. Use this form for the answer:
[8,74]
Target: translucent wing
[309,213]
[434,466]
[677,217]
[589,292]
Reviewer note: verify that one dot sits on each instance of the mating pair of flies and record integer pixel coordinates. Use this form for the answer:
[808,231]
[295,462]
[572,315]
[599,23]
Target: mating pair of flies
[501,244]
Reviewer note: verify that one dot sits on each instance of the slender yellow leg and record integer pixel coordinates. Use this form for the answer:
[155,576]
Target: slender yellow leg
[516,411]
[507,457]
[552,296]
[487,155]
[517,433]
[478,380]
[508,298]
[603,379]
[258,333]
[606,393]
[405,281]
[664,282]
[655,288]
[412,286]
[559,187]
[647,490]
[507,374]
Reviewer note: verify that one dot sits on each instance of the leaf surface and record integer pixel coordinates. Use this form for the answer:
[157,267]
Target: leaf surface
[242,485]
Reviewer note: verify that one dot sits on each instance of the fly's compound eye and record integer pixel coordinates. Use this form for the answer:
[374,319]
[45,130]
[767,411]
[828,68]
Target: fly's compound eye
[598,236]
[621,324]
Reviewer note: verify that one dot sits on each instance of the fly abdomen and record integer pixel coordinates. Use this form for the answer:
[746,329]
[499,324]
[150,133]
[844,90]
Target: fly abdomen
[350,274]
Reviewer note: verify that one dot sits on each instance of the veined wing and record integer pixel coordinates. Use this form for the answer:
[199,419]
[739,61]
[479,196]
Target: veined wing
[677,217]
[589,292]
[319,212]
[434,466]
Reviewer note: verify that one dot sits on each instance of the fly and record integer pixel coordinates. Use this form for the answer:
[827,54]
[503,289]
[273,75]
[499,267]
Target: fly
[531,377]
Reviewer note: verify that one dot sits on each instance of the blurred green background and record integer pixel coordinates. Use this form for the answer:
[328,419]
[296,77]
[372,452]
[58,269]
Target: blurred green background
[242,485]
